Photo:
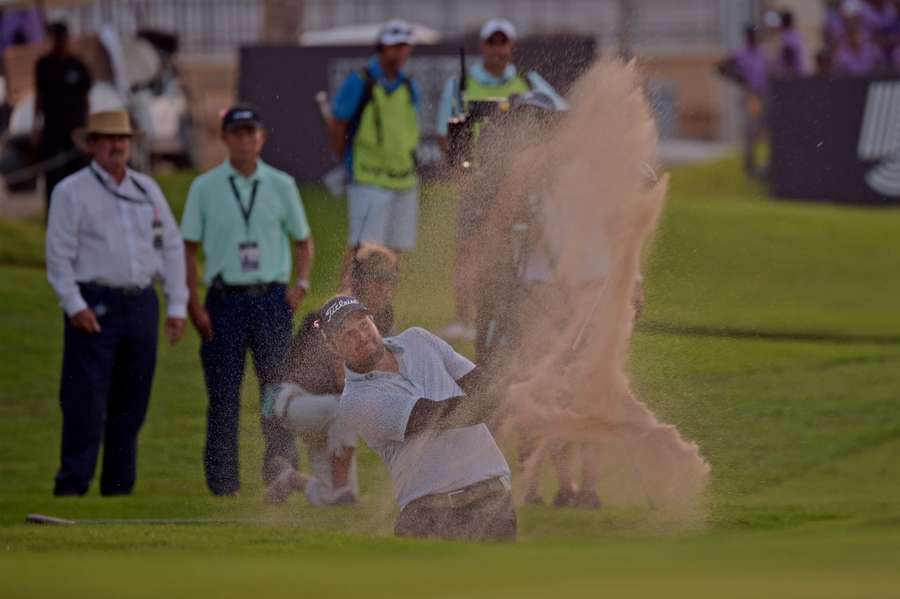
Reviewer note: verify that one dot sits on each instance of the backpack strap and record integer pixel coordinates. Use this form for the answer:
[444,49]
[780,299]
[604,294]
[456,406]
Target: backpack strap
[409,87]
[368,84]
[527,81]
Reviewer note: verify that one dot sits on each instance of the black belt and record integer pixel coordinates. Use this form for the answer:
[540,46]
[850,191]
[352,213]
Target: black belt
[253,289]
[462,497]
[129,290]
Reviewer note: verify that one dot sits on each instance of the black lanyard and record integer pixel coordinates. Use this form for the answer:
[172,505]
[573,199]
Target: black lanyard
[157,216]
[121,196]
[245,212]
[125,198]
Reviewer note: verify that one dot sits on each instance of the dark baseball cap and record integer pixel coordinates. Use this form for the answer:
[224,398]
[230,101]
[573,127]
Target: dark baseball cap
[336,310]
[242,115]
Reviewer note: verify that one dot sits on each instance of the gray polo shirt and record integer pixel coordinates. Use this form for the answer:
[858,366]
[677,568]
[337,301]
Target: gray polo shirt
[377,406]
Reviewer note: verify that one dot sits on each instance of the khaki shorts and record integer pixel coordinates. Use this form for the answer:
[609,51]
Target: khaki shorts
[383,216]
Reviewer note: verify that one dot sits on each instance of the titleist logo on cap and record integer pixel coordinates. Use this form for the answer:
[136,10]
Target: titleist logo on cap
[340,304]
[242,114]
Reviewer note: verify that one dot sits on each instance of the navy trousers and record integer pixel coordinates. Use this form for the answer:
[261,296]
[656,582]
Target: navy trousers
[261,322]
[105,389]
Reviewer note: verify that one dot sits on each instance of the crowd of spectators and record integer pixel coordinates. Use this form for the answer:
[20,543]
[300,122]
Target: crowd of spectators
[861,37]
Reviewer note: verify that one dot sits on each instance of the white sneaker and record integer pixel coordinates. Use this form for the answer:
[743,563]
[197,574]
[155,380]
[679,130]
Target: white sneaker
[457,331]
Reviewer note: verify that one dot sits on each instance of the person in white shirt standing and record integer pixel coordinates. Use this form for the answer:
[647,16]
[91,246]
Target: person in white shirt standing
[110,236]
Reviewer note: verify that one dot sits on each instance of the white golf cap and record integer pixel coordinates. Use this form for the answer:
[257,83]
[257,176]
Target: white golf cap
[498,26]
[394,32]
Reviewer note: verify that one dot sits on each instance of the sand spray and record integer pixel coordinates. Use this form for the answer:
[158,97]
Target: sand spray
[594,168]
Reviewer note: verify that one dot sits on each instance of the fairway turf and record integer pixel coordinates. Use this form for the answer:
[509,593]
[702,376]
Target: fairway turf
[771,337]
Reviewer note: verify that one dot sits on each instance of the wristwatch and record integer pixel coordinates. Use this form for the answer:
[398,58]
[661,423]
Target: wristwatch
[303,284]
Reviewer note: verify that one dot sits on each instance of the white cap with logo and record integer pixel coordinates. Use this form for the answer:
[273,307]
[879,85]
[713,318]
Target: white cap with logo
[395,32]
[498,26]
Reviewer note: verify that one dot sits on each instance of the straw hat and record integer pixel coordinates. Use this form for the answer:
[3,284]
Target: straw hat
[109,122]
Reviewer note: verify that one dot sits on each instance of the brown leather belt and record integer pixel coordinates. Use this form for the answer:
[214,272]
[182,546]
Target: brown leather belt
[462,497]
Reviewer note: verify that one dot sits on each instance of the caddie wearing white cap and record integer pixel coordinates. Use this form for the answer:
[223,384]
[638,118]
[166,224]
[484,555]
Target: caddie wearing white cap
[376,131]
[493,76]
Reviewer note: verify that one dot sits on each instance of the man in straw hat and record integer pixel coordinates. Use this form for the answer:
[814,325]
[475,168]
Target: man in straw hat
[110,235]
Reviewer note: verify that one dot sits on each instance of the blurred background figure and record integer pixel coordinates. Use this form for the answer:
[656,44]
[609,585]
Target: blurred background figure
[493,76]
[62,83]
[376,129]
[857,55]
[20,26]
[792,49]
[374,275]
[749,67]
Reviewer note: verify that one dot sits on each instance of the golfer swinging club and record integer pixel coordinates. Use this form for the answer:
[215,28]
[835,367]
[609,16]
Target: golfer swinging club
[421,407]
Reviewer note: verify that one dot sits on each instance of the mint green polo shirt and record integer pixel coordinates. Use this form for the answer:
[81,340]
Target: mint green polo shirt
[213,218]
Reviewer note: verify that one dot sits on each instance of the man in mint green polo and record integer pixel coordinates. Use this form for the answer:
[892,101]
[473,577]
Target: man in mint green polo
[249,219]
[493,76]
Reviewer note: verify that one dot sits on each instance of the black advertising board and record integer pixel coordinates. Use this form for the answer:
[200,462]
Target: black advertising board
[836,139]
[283,81]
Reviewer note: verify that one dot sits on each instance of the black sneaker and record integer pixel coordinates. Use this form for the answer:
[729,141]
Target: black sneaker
[586,500]
[564,498]
[533,498]
[346,498]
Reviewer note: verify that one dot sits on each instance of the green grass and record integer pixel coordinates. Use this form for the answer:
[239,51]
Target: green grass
[770,337]
[731,259]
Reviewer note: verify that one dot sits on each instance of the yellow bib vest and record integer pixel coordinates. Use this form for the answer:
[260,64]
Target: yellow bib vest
[385,142]
[475,90]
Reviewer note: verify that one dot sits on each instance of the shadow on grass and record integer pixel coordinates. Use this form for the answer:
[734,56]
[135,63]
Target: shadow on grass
[763,334]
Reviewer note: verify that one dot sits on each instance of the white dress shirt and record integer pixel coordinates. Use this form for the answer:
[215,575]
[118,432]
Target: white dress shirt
[95,237]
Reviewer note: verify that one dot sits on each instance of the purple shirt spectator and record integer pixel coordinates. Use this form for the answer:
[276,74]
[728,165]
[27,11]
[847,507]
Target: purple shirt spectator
[877,18]
[863,60]
[754,68]
[790,38]
[20,27]
[835,30]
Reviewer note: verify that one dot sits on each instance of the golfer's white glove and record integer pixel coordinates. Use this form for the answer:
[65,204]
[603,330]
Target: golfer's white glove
[276,398]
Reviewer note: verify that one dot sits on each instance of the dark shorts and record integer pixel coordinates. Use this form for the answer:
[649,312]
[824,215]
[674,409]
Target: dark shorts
[491,518]
[469,217]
